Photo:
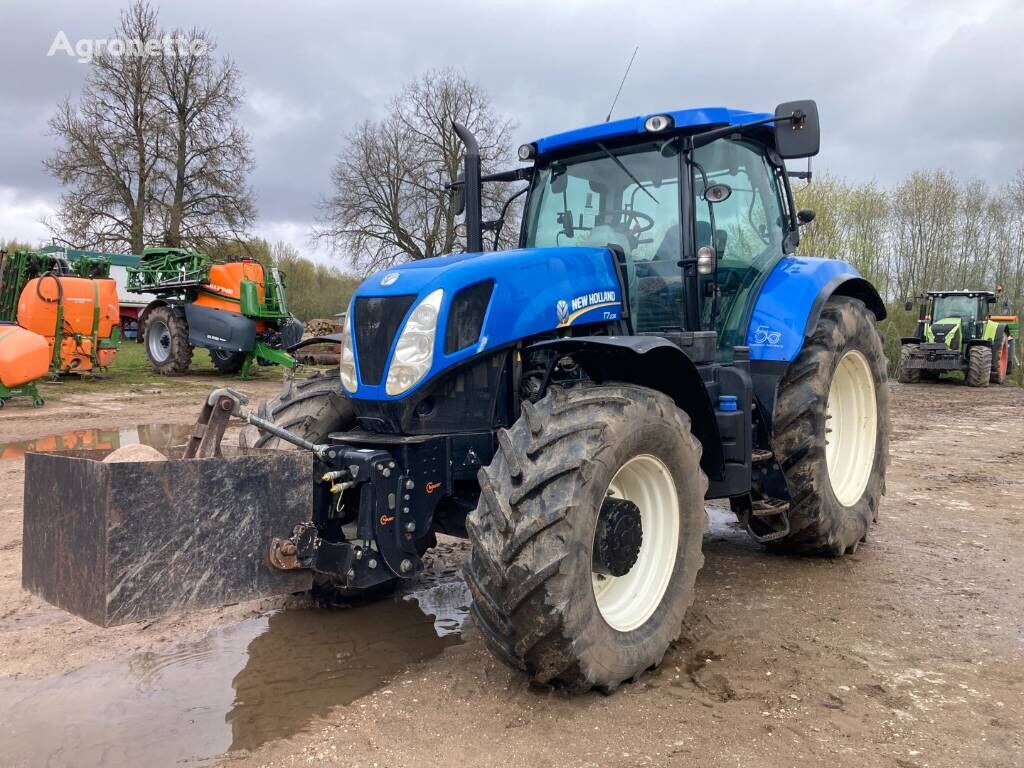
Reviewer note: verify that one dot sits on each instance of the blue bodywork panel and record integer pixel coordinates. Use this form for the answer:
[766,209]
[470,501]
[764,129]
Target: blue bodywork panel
[535,290]
[777,325]
[631,126]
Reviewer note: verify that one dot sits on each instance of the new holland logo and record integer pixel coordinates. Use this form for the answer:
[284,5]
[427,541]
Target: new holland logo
[562,308]
[568,311]
[389,279]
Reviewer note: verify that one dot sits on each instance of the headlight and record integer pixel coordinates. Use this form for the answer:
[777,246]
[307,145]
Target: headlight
[414,352]
[348,359]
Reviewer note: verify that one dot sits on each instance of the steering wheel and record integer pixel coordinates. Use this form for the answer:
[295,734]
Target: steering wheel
[631,215]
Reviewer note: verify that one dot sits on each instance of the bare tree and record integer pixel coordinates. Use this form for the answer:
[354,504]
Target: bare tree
[389,201]
[152,152]
[111,145]
[204,194]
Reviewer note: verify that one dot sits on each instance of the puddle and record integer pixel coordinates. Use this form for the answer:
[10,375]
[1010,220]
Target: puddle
[163,437]
[238,687]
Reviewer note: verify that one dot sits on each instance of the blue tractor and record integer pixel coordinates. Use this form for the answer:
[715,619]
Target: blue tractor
[570,405]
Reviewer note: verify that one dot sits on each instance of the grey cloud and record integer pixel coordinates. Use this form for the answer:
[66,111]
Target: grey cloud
[900,85]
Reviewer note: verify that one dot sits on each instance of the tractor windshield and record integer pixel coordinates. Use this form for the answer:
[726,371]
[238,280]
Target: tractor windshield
[966,307]
[625,197]
[628,198]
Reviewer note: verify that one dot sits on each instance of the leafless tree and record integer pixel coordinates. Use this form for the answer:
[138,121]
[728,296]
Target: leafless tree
[389,201]
[204,195]
[112,143]
[151,153]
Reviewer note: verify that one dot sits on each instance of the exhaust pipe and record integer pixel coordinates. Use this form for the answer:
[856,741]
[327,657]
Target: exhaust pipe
[471,189]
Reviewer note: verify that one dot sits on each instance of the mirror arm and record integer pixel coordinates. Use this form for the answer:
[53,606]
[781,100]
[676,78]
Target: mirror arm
[699,140]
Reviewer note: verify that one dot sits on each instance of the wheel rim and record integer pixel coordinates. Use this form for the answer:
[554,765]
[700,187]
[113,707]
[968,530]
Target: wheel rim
[851,428]
[158,341]
[627,601]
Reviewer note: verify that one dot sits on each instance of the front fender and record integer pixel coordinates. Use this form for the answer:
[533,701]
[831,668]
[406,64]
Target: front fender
[653,362]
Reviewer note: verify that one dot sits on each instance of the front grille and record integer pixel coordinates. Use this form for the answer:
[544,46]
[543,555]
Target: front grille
[376,321]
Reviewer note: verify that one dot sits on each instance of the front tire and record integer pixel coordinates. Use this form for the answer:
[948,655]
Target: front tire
[545,602]
[313,408]
[831,432]
[979,366]
[908,375]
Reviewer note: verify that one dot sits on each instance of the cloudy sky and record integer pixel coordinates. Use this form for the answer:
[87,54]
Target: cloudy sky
[901,85]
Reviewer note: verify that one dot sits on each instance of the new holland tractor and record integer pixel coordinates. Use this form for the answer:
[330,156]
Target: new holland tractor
[568,406]
[957,331]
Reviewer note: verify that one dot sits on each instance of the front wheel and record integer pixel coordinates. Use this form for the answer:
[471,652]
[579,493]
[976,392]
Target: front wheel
[831,432]
[979,366]
[908,375]
[586,540]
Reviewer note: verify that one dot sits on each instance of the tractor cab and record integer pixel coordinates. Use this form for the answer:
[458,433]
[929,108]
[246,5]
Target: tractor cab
[695,224]
[695,204]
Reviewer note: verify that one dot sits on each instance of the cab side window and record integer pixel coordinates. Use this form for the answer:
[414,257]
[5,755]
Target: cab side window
[746,229]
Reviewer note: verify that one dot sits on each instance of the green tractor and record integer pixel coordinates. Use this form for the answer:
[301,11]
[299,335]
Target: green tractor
[957,331]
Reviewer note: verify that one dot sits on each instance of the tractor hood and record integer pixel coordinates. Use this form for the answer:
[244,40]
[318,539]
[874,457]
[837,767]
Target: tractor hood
[489,300]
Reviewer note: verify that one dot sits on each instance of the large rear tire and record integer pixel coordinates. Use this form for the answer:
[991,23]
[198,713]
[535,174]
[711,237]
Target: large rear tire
[167,345]
[313,408]
[1001,357]
[831,432]
[908,375]
[554,510]
[979,366]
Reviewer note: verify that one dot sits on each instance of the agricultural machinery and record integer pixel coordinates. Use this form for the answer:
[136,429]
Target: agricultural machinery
[957,331]
[568,406]
[71,306]
[236,310]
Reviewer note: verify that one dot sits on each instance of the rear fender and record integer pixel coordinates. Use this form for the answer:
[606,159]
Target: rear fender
[653,362]
[791,299]
[855,287]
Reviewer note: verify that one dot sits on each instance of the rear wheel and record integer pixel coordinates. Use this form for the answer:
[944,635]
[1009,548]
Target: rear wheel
[831,432]
[313,408]
[167,345]
[979,366]
[587,536]
[1001,361]
[227,362]
[908,375]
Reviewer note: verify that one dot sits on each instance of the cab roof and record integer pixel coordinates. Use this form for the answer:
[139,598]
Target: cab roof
[701,117]
[940,294]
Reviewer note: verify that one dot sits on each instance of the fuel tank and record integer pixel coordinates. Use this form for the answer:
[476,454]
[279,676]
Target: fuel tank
[24,356]
[90,307]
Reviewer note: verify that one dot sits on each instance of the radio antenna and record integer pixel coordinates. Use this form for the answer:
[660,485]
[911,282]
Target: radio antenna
[624,76]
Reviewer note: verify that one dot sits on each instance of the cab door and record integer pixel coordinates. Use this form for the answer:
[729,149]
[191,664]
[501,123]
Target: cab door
[746,228]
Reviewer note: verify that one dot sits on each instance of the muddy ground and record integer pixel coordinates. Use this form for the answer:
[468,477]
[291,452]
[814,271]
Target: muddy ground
[908,653]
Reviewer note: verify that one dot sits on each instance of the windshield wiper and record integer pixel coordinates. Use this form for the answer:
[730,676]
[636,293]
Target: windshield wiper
[626,171]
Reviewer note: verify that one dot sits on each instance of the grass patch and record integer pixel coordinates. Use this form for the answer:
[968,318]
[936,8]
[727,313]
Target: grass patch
[131,369]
